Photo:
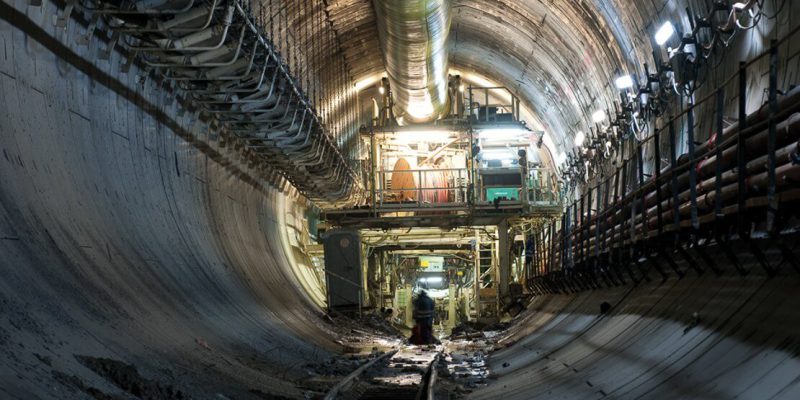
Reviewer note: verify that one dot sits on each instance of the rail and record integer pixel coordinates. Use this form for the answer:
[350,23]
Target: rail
[349,388]
[427,390]
[348,380]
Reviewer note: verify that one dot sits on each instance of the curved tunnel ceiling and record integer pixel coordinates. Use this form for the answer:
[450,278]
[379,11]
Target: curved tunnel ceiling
[128,231]
[560,57]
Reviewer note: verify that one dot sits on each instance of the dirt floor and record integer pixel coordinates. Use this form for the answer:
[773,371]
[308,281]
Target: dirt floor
[461,367]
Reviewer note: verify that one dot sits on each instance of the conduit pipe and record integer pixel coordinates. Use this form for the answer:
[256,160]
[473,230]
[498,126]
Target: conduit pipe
[755,149]
[414,38]
[756,122]
[755,154]
[277,126]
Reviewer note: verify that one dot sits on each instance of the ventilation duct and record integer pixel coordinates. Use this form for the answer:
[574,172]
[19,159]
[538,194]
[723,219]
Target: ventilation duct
[414,38]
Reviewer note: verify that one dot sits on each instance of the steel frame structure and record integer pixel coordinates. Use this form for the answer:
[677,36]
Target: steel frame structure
[223,63]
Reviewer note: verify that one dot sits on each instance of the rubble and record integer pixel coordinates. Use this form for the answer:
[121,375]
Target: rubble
[127,378]
[359,331]
[475,330]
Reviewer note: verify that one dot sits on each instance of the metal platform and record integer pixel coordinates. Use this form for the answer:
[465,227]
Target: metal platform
[443,215]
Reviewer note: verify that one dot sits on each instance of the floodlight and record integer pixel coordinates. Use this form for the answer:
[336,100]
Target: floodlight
[501,134]
[599,116]
[664,33]
[624,82]
[408,137]
[579,138]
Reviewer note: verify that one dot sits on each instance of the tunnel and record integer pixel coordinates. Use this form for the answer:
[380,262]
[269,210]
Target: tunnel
[235,199]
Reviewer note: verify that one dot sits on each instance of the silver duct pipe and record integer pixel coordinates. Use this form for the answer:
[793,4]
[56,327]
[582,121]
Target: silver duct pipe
[414,38]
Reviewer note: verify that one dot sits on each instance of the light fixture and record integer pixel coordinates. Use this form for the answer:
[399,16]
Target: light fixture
[497,155]
[599,116]
[420,109]
[664,33]
[561,158]
[579,138]
[408,137]
[624,82]
[381,89]
[501,134]
[461,88]
[431,279]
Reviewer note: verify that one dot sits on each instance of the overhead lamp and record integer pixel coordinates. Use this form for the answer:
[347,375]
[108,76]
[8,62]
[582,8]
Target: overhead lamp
[497,155]
[501,134]
[579,138]
[420,109]
[408,137]
[381,89]
[664,33]
[431,279]
[461,88]
[599,116]
[624,82]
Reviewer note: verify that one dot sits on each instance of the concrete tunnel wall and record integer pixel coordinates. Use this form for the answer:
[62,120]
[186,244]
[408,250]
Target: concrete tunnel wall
[123,238]
[144,241]
[743,343]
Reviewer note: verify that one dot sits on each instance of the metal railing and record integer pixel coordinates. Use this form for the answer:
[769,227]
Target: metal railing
[480,103]
[453,190]
[542,186]
[727,186]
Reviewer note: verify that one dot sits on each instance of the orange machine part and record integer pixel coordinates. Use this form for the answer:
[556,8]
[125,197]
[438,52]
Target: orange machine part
[403,185]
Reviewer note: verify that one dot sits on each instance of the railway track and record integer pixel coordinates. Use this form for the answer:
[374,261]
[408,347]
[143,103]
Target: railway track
[407,373]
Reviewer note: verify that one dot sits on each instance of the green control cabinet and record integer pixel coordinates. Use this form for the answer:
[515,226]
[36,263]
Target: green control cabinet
[509,193]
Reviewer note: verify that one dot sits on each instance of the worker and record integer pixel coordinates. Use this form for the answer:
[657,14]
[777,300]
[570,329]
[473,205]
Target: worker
[423,315]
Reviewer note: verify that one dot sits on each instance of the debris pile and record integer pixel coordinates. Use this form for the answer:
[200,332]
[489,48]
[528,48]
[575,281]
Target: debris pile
[336,366]
[378,322]
[463,367]
[468,368]
[127,378]
[476,330]
[365,327]
[466,330]
[325,375]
